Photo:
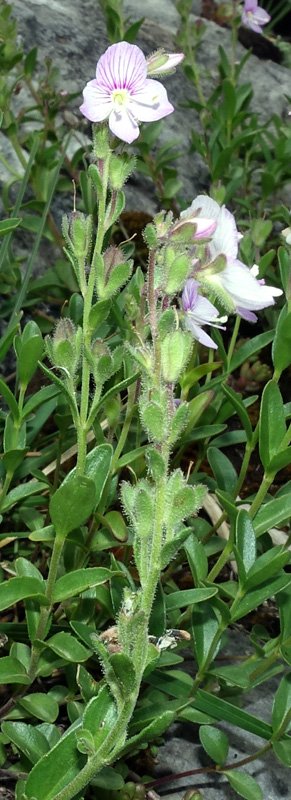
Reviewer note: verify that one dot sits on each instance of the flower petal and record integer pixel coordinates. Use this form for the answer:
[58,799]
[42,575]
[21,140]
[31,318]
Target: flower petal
[123,124]
[97,103]
[199,334]
[245,314]
[151,102]
[245,290]
[204,311]
[122,66]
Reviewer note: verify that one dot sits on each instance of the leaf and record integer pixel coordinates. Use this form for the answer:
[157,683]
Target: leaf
[272,513]
[255,597]
[281,352]
[267,565]
[281,712]
[22,492]
[222,469]
[188,597]
[254,345]
[246,545]
[282,750]
[56,769]
[9,399]
[75,499]
[224,711]
[66,646]
[100,716]
[72,503]
[42,706]
[16,589]
[204,629]
[215,743]
[27,739]
[108,778]
[152,731]
[12,671]
[236,401]
[272,425]
[244,784]
[78,581]
[7,225]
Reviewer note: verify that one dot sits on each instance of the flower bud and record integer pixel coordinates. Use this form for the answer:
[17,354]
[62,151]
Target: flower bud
[101,145]
[175,352]
[77,230]
[64,347]
[121,168]
[161,63]
[150,236]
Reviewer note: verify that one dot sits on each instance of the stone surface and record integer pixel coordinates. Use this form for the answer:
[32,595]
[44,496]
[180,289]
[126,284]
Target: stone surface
[182,750]
[73,34]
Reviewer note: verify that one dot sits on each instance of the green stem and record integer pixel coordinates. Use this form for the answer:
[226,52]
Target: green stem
[261,494]
[233,341]
[126,426]
[83,421]
[46,610]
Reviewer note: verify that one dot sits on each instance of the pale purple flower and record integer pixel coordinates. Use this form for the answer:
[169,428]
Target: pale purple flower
[199,311]
[202,226]
[253,16]
[160,63]
[235,279]
[122,94]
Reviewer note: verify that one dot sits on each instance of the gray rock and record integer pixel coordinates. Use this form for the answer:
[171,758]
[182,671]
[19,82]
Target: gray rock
[73,34]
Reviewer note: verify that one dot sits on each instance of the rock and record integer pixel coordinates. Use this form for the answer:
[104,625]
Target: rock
[74,35]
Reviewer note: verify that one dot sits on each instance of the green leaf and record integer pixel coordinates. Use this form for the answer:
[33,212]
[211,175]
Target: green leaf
[267,565]
[281,713]
[280,461]
[222,469]
[56,769]
[12,671]
[66,646]
[272,513]
[254,345]
[100,716]
[272,426]
[224,711]
[72,503]
[75,499]
[282,750]
[215,742]
[197,558]
[255,597]
[204,629]
[76,582]
[21,493]
[236,401]
[27,739]
[244,785]
[9,399]
[281,352]
[7,225]
[16,589]
[246,545]
[152,731]
[188,597]
[42,706]
[108,778]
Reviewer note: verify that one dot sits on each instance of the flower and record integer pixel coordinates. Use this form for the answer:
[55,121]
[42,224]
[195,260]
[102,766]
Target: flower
[161,63]
[199,227]
[122,93]
[199,311]
[253,16]
[235,282]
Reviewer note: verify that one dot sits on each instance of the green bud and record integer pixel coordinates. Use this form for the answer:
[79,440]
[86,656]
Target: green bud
[29,349]
[101,363]
[163,222]
[154,415]
[120,169]
[101,146]
[156,464]
[179,422]
[176,350]
[85,742]
[177,273]
[64,348]
[117,272]
[78,231]
[150,236]
[167,322]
